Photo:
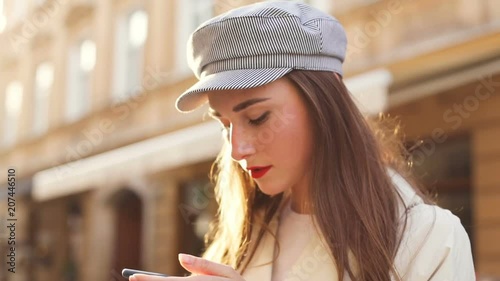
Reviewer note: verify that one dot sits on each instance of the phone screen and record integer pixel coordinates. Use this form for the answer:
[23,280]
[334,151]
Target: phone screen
[126,272]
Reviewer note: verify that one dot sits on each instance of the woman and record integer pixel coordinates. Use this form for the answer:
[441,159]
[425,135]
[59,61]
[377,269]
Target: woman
[306,188]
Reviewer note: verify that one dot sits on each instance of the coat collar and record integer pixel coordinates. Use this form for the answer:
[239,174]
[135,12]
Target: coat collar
[260,266]
[314,263]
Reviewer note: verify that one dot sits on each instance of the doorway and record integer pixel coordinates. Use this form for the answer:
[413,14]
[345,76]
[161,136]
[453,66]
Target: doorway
[128,230]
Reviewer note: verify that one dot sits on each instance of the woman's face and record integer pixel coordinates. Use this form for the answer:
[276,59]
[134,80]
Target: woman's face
[268,126]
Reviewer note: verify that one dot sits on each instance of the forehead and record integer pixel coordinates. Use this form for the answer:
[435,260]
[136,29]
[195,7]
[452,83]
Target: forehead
[277,91]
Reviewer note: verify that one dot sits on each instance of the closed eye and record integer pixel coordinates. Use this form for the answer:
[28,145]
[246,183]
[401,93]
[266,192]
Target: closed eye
[259,120]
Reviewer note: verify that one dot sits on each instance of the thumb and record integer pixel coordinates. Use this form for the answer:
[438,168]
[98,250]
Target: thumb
[203,266]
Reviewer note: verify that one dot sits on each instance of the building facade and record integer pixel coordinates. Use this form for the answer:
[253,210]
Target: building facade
[110,175]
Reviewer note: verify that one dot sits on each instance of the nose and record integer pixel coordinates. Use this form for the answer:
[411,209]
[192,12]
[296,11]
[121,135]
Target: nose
[242,143]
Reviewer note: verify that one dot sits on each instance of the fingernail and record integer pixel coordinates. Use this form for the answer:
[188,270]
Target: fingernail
[132,278]
[186,259]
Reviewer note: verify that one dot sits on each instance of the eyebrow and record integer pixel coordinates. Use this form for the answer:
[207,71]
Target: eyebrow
[239,107]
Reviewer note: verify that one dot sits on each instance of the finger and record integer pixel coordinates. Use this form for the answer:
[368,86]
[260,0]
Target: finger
[203,266]
[144,277]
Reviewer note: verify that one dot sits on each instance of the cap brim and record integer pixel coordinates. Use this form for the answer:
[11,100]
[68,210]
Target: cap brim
[196,96]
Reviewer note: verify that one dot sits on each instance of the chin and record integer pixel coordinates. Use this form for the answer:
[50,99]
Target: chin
[271,191]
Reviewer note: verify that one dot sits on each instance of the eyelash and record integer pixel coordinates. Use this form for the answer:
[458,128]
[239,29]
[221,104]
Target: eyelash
[259,120]
[254,122]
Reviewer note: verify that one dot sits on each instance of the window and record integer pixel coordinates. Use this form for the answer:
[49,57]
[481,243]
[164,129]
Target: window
[81,63]
[192,14]
[13,102]
[131,35]
[197,209]
[40,2]
[3,19]
[324,5]
[445,168]
[44,77]
[18,12]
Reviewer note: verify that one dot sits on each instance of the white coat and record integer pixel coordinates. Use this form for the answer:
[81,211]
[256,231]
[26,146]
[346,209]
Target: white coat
[435,247]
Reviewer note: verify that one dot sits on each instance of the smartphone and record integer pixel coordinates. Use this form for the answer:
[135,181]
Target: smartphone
[127,272]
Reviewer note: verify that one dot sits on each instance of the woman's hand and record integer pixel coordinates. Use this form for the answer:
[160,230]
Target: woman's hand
[203,270]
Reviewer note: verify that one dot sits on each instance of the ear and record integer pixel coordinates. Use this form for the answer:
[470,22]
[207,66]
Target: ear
[337,76]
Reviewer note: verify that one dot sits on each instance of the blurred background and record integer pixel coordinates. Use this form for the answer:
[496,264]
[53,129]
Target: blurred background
[110,175]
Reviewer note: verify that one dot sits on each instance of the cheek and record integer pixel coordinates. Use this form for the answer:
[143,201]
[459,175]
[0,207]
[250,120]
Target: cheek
[291,145]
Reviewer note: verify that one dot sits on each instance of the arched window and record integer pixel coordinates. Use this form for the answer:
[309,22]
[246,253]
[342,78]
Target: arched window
[131,35]
[191,14]
[13,102]
[82,59]
[44,78]
[3,19]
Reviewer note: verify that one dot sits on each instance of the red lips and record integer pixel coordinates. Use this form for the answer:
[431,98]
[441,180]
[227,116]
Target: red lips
[258,172]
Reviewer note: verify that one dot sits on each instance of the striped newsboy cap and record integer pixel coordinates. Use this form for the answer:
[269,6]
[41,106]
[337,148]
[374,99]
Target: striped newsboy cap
[257,44]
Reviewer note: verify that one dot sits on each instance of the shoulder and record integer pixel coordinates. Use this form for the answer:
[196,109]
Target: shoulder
[424,218]
[434,243]
[433,224]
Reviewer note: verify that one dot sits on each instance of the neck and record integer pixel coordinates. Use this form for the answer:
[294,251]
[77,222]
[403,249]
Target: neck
[299,203]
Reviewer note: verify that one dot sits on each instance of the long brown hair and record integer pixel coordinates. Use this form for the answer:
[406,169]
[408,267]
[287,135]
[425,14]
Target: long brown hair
[350,188]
